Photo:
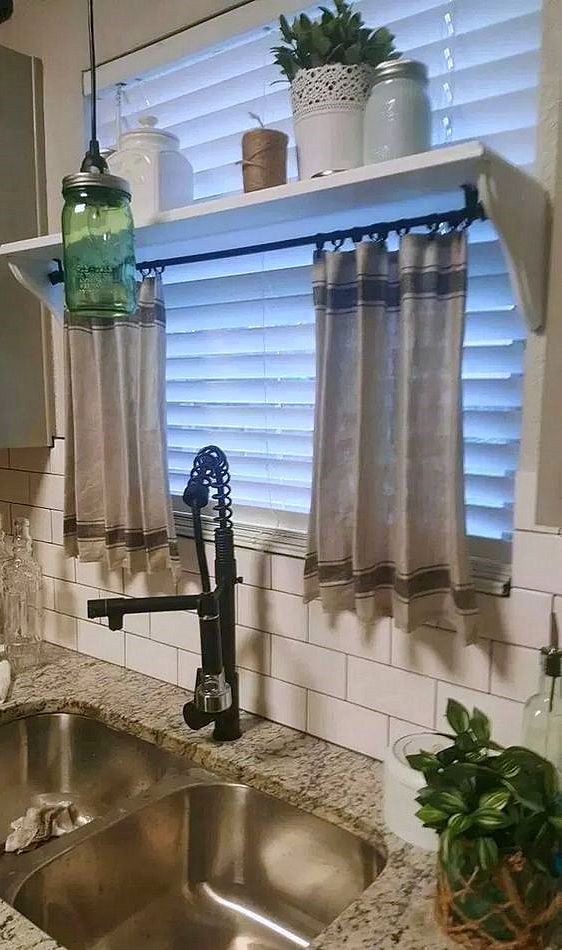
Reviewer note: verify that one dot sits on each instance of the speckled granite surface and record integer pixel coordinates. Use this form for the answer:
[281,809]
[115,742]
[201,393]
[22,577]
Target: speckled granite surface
[341,786]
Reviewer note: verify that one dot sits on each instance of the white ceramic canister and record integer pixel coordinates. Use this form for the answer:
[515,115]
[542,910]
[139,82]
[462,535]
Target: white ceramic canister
[398,113]
[160,176]
[401,786]
[328,111]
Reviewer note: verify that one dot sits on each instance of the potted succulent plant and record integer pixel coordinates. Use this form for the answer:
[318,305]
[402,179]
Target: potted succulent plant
[330,63]
[498,814]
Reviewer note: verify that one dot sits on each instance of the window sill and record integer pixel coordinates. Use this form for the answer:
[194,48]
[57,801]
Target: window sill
[490,576]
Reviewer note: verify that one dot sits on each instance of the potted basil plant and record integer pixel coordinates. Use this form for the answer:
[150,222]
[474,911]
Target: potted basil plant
[330,63]
[498,814]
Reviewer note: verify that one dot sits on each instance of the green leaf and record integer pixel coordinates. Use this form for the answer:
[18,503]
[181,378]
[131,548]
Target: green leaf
[497,799]
[488,853]
[551,783]
[506,765]
[447,756]
[525,791]
[430,816]
[285,28]
[353,54]
[448,801]
[480,725]
[556,821]
[458,824]
[423,761]
[491,819]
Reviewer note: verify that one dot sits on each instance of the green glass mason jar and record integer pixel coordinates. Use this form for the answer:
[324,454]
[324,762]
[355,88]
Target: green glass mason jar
[98,239]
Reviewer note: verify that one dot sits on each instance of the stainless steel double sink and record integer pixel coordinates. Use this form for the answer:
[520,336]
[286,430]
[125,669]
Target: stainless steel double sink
[170,856]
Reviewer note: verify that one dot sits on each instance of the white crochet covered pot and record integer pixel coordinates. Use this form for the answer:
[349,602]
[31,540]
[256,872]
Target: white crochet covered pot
[328,110]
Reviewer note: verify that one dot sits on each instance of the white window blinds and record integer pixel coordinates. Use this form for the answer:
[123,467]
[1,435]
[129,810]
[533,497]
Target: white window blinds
[240,360]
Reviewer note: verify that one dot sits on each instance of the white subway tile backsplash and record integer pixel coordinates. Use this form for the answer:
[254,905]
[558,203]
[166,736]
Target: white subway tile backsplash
[253,649]
[310,666]
[254,567]
[5,517]
[281,702]
[188,664]
[54,562]
[48,593]
[526,503]
[57,457]
[101,642]
[443,655]
[506,716]
[149,585]
[47,491]
[522,618]
[347,725]
[355,695]
[132,623]
[390,691]
[515,671]
[401,727]
[14,486]
[39,521]
[152,659]
[287,574]
[537,561]
[188,556]
[347,634]
[177,628]
[272,611]
[60,630]
[97,574]
[72,598]
[31,460]
[57,522]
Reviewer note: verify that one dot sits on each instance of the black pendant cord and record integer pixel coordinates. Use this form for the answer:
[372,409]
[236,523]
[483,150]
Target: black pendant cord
[92,159]
[445,222]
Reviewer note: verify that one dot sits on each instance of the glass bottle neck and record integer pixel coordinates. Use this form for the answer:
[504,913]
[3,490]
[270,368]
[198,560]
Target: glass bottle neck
[549,685]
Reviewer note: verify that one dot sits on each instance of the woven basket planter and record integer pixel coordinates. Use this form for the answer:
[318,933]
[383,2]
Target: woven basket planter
[513,908]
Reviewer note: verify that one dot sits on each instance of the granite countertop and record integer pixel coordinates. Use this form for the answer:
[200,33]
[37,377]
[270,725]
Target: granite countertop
[340,786]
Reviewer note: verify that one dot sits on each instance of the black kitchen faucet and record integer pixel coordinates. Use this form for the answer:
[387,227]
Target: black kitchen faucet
[216,686]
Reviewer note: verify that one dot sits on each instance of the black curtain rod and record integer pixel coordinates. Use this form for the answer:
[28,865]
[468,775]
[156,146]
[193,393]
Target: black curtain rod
[462,217]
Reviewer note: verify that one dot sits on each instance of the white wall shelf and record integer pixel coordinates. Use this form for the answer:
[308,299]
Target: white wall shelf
[516,203]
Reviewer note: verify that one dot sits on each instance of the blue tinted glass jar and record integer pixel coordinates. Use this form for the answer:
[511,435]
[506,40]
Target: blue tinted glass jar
[98,239]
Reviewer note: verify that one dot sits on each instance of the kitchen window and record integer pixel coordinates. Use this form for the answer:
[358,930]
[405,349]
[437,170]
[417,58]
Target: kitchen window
[240,365]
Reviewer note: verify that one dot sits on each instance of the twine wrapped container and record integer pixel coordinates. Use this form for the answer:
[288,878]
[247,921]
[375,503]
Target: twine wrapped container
[264,159]
[515,908]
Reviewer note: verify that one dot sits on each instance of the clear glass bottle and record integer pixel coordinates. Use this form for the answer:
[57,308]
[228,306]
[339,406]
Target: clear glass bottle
[98,239]
[23,601]
[542,717]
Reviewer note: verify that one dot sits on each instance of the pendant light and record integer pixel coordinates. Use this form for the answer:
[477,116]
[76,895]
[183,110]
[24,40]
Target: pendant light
[97,228]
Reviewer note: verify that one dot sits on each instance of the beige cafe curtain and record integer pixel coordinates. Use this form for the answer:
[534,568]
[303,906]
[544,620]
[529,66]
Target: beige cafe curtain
[387,522]
[117,504]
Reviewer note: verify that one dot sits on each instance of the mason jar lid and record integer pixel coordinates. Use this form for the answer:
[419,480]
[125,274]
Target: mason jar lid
[401,69]
[552,661]
[91,180]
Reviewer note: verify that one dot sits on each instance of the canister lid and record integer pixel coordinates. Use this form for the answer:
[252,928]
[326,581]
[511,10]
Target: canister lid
[148,127]
[401,69]
[552,661]
[91,180]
